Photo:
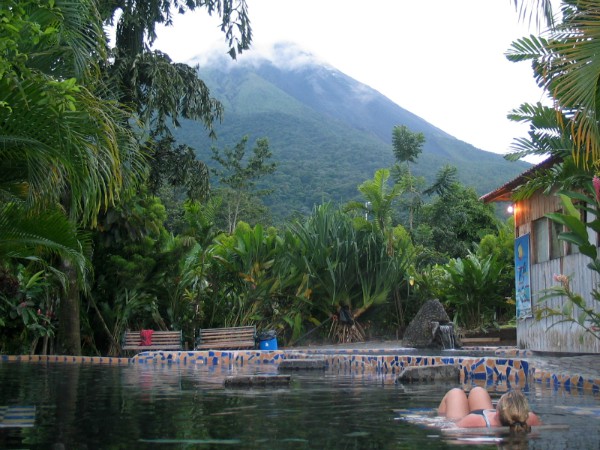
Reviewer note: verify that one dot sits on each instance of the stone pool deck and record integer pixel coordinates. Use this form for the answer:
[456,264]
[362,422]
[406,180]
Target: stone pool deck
[384,360]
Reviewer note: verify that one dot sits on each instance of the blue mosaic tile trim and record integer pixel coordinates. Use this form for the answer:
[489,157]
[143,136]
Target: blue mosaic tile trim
[66,359]
[503,368]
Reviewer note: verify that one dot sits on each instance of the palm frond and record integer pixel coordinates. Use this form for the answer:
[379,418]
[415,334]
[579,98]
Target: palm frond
[538,12]
[445,179]
[547,134]
[78,43]
[63,139]
[567,66]
[24,235]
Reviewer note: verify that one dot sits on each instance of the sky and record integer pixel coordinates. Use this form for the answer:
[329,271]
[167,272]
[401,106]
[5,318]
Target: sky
[439,59]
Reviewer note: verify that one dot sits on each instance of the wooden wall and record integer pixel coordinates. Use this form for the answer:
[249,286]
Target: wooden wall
[547,334]
[526,211]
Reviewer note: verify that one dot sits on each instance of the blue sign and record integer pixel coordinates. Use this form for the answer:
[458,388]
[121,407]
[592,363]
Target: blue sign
[522,277]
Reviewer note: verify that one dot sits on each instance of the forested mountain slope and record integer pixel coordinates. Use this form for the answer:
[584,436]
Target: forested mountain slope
[327,131]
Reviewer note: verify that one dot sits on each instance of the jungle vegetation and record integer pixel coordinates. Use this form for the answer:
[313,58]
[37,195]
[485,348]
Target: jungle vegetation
[107,223]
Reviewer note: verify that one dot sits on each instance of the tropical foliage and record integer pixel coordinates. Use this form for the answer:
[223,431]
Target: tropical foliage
[576,309]
[379,202]
[68,148]
[66,153]
[470,291]
[107,223]
[452,223]
[237,175]
[566,65]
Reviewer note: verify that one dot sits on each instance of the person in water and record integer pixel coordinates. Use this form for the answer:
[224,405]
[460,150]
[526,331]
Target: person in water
[476,410]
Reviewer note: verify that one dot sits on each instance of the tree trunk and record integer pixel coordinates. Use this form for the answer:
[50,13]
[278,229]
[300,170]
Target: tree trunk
[69,328]
[115,348]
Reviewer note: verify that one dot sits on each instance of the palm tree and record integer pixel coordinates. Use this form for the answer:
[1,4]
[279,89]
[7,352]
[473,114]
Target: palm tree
[407,145]
[379,200]
[444,181]
[25,234]
[407,148]
[64,150]
[66,141]
[61,143]
[567,66]
[547,134]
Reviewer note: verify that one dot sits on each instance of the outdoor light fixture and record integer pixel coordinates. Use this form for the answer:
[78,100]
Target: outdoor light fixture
[510,208]
[411,282]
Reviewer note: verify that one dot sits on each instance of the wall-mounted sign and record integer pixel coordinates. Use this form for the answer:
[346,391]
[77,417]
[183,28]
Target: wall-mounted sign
[522,277]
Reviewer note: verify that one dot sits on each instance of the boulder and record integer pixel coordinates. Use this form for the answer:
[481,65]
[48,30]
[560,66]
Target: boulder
[423,330]
[302,364]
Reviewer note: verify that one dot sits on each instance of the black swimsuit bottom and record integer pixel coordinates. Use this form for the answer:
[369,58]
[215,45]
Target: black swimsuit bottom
[481,412]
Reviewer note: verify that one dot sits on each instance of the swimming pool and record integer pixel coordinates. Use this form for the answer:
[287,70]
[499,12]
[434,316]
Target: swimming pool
[186,406]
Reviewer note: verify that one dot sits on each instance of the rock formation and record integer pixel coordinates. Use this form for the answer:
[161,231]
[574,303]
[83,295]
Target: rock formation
[425,330]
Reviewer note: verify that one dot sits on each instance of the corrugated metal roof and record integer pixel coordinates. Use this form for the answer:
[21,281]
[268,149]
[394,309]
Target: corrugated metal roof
[504,192]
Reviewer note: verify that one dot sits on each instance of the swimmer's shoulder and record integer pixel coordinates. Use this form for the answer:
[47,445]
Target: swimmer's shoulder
[533,420]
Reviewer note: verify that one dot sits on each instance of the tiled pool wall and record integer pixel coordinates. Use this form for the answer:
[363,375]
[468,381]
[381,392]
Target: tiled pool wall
[509,365]
[67,359]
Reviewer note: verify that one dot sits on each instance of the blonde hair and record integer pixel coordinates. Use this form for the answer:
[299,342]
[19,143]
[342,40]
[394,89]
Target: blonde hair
[513,410]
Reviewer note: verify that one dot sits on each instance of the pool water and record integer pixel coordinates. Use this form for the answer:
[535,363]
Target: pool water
[187,407]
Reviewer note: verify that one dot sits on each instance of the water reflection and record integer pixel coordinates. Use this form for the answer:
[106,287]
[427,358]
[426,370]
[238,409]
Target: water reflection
[160,406]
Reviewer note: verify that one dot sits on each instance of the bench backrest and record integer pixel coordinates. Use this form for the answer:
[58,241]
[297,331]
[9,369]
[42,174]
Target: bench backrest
[232,337]
[159,339]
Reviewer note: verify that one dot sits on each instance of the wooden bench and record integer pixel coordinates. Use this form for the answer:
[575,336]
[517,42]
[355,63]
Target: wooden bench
[226,338]
[161,340]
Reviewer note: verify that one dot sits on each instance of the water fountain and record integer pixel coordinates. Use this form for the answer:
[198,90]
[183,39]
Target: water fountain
[447,336]
[430,328]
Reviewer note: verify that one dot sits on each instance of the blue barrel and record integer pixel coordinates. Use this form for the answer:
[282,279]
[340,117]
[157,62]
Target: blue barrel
[271,344]
[267,340]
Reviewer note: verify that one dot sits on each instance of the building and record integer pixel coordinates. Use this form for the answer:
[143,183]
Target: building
[539,257]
